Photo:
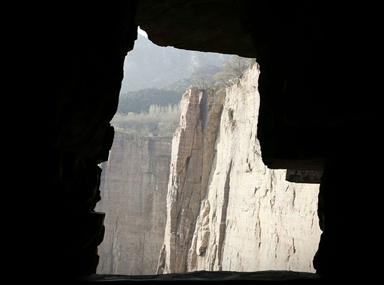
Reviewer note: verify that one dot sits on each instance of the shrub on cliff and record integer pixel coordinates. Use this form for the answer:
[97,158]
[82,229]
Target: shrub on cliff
[232,71]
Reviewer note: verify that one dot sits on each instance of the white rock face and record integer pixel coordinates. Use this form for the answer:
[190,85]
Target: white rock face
[225,209]
[133,189]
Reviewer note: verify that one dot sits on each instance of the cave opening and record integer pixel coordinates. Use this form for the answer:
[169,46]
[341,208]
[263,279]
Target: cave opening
[312,113]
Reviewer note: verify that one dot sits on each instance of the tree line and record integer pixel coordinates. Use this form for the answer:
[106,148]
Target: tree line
[154,111]
[141,100]
[158,121]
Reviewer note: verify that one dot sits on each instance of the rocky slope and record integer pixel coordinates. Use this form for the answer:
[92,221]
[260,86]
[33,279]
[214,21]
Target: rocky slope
[133,190]
[225,209]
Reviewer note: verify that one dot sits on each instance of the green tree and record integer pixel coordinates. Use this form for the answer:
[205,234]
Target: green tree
[158,121]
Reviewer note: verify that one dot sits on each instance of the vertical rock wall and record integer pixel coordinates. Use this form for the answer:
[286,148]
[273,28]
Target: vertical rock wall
[133,190]
[225,209]
[192,154]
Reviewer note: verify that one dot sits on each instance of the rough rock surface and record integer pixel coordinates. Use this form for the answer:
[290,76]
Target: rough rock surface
[225,27]
[192,153]
[133,190]
[225,209]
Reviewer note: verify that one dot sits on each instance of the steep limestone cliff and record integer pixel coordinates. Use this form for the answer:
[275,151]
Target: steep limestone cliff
[133,190]
[225,209]
[192,155]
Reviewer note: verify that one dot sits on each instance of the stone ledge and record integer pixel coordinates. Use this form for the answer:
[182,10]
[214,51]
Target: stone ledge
[304,176]
[258,276]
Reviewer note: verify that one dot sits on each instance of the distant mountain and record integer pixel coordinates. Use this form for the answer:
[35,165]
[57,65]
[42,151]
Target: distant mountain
[152,66]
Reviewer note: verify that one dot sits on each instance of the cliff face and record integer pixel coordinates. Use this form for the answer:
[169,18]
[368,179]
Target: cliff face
[205,201]
[225,209]
[133,190]
[192,154]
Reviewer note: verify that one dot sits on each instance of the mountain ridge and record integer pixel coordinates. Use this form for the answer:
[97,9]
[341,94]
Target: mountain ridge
[152,66]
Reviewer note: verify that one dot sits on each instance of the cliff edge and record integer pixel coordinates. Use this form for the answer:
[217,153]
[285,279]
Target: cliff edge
[225,209]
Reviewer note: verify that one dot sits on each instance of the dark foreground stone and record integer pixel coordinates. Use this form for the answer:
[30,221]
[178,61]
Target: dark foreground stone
[254,277]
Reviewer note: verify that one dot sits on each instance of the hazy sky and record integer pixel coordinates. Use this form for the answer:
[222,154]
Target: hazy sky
[141,32]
